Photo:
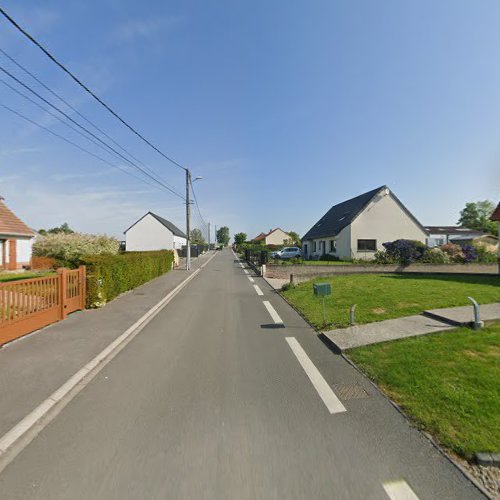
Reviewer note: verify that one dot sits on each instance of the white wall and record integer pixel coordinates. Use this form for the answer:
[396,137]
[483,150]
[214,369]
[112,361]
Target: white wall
[342,247]
[383,220]
[277,237]
[148,234]
[24,251]
[179,242]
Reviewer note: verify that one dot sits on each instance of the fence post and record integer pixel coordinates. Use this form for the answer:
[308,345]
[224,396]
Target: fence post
[83,286]
[63,278]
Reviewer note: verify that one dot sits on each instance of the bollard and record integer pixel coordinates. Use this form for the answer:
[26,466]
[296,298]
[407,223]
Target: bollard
[352,319]
[477,324]
[291,278]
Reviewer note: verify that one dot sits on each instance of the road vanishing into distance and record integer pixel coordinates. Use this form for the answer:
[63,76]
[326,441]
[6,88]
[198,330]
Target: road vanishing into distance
[228,394]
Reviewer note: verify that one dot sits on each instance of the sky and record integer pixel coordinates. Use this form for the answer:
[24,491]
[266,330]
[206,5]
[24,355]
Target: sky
[285,108]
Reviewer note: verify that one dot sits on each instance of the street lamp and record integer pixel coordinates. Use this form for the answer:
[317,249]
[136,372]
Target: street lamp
[189,182]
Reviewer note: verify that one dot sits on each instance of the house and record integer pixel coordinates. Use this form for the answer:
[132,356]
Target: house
[440,235]
[152,232]
[273,237]
[16,239]
[358,227]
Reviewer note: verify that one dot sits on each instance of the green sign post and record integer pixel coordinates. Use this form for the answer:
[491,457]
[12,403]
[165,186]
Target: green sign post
[322,290]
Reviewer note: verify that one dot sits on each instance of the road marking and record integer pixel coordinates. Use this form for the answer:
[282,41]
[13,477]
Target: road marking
[251,279]
[272,312]
[33,423]
[399,490]
[331,401]
[258,290]
[246,271]
[242,265]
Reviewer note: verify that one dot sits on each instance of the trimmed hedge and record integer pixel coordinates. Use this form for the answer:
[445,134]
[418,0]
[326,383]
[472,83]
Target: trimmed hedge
[110,275]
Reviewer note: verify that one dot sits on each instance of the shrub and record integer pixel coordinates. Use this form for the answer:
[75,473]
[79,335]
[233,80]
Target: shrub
[330,258]
[69,249]
[454,251]
[405,252]
[110,275]
[469,253]
[435,256]
[382,257]
[484,256]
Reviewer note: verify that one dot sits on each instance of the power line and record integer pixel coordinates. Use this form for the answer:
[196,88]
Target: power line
[53,106]
[87,89]
[58,96]
[196,203]
[65,139]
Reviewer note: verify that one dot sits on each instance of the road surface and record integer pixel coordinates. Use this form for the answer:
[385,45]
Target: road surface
[214,400]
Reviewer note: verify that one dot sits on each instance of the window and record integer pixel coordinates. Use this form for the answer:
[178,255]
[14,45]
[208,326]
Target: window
[314,246]
[367,245]
[333,246]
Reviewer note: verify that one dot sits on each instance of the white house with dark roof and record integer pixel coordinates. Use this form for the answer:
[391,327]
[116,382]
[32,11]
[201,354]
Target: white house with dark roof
[152,232]
[358,227]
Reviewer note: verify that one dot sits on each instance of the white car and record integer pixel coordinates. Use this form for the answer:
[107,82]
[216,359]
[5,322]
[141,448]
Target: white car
[289,253]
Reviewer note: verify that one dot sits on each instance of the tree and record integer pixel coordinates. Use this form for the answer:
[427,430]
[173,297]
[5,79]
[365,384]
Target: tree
[63,228]
[294,238]
[240,238]
[197,237]
[223,235]
[476,216]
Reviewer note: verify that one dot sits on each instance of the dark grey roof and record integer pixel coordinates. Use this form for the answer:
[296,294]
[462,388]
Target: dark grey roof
[458,230]
[341,215]
[172,227]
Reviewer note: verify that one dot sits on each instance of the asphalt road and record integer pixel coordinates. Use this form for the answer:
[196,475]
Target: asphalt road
[211,401]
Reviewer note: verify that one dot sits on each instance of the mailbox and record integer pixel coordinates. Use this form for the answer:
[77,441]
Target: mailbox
[322,289]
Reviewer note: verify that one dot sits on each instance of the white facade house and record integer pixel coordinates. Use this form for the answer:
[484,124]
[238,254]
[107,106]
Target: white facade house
[357,228]
[273,237]
[152,232]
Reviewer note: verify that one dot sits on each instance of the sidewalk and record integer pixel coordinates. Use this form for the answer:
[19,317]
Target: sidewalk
[410,326]
[34,366]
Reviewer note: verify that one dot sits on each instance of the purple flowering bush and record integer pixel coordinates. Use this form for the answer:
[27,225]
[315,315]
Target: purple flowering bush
[404,252]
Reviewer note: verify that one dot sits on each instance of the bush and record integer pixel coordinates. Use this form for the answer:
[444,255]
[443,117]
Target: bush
[435,256]
[454,251]
[329,258]
[405,252]
[469,253]
[484,256]
[110,275]
[43,263]
[68,249]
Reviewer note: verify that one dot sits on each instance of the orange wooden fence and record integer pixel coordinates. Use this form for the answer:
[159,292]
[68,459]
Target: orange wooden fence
[27,305]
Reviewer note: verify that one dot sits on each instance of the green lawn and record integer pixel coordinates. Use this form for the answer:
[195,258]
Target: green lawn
[310,262]
[23,275]
[448,383]
[384,296]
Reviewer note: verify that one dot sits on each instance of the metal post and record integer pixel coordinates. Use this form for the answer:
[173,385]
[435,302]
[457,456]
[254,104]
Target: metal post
[188,216]
[478,324]
[352,318]
[209,236]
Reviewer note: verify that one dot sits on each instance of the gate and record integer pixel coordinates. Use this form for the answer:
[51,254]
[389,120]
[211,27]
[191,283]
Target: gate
[28,305]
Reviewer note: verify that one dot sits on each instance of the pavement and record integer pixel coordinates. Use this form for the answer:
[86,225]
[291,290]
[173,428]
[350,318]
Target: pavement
[227,393]
[383,331]
[461,316]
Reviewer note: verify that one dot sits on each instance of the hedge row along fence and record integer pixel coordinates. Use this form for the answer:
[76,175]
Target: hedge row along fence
[111,275]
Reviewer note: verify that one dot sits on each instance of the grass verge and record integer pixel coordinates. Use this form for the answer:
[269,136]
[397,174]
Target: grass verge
[385,296]
[447,383]
[4,277]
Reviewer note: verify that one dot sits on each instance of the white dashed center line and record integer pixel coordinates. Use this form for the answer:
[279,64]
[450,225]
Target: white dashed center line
[399,490]
[272,311]
[251,279]
[258,290]
[325,392]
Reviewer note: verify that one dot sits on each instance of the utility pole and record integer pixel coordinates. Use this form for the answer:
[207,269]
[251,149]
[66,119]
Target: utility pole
[209,236]
[188,222]
[215,235]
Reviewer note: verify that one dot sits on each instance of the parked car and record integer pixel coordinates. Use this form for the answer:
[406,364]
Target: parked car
[288,253]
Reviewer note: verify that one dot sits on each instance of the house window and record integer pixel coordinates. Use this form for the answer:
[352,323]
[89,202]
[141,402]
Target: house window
[314,246]
[367,245]
[333,246]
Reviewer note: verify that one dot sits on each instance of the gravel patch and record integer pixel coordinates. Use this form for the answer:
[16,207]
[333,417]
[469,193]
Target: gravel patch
[489,477]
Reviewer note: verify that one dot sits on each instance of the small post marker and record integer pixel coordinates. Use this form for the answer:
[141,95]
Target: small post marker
[477,324]
[352,319]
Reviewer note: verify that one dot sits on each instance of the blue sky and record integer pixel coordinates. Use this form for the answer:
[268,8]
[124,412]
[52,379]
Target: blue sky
[284,107]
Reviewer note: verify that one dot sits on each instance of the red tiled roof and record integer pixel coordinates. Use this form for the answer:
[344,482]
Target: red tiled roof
[12,225]
[496,214]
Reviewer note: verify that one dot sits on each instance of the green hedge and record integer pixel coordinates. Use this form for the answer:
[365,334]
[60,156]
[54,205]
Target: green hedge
[110,275]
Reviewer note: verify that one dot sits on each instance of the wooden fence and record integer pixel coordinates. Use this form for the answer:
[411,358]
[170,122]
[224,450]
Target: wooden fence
[27,305]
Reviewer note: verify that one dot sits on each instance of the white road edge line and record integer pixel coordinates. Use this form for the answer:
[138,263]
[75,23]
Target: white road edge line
[246,271]
[95,365]
[251,279]
[272,311]
[399,490]
[258,290]
[325,392]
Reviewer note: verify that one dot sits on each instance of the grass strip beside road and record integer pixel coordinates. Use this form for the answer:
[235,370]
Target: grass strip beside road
[447,383]
[385,296]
